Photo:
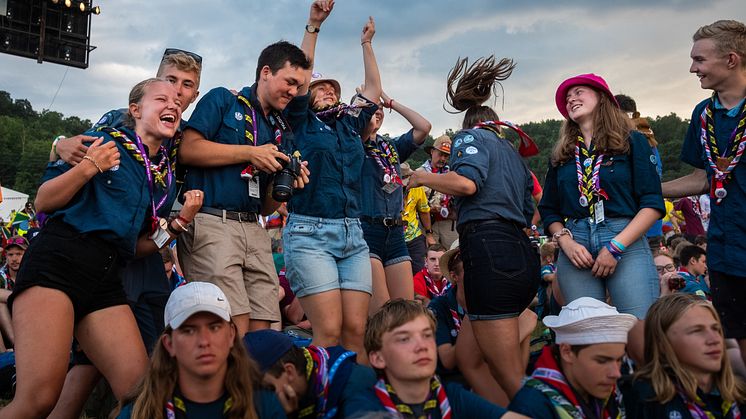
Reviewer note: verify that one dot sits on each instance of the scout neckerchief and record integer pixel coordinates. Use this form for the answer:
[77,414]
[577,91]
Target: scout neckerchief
[549,380]
[698,409]
[436,398]
[321,375]
[176,409]
[722,164]
[386,157]
[279,124]
[337,110]
[589,179]
[162,173]
[526,148]
[432,288]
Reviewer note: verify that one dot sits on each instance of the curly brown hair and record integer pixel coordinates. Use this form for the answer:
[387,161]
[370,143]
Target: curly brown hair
[469,86]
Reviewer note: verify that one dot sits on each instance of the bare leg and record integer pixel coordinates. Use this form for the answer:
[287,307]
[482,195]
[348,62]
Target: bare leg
[526,325]
[354,316]
[399,280]
[380,288]
[471,363]
[79,384]
[120,356]
[636,343]
[498,340]
[242,322]
[324,311]
[43,320]
[6,325]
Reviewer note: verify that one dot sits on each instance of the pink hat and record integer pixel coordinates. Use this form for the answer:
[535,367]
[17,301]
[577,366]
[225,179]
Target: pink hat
[589,79]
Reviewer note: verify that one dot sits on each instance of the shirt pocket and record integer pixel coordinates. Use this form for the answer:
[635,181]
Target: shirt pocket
[233,127]
[617,170]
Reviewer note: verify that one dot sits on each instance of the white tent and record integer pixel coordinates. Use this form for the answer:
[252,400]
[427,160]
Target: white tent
[12,200]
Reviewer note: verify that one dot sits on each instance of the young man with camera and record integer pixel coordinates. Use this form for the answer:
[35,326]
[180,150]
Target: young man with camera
[233,145]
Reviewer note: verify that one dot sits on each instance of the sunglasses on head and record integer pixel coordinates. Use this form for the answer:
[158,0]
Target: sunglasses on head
[19,241]
[173,51]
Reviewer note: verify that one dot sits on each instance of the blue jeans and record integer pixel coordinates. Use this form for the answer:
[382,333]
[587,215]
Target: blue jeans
[323,254]
[633,286]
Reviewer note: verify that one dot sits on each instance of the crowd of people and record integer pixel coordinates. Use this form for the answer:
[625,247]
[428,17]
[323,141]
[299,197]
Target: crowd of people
[276,256]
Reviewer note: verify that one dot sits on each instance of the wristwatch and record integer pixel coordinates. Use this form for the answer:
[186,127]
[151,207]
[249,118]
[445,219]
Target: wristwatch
[312,29]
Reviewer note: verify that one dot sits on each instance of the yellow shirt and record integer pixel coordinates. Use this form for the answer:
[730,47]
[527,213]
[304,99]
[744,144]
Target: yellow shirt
[414,202]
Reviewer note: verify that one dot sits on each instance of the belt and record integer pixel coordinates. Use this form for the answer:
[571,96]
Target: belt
[240,216]
[386,221]
[478,223]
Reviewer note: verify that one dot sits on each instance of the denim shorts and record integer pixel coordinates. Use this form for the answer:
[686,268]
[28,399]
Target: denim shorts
[323,254]
[634,285]
[501,269]
[386,243]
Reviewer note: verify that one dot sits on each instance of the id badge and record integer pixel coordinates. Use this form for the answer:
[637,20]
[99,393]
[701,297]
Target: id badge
[598,211]
[390,187]
[160,237]
[254,187]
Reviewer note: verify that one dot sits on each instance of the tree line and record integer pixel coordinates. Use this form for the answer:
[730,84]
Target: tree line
[26,137]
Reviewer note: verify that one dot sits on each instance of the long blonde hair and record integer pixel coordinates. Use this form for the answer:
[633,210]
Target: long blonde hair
[663,368]
[157,387]
[611,127]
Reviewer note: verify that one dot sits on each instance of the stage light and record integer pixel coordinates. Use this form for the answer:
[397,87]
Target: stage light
[55,1]
[6,42]
[82,6]
[96,10]
[68,3]
[68,53]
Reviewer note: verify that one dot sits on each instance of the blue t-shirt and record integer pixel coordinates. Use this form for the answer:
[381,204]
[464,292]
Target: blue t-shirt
[639,402]
[631,181]
[504,183]
[114,204]
[266,406]
[446,329]
[376,202]
[726,234]
[334,151]
[464,404]
[219,117]
[695,285]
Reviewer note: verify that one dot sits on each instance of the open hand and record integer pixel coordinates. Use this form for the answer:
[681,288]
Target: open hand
[104,156]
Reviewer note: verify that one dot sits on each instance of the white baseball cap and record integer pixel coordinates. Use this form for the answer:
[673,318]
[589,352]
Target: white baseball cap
[193,298]
[587,321]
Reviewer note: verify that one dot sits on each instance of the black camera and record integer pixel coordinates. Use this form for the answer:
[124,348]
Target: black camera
[282,187]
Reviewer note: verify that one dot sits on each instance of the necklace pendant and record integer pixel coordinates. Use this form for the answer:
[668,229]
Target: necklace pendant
[721,193]
[386,178]
[583,201]
[587,162]
[723,163]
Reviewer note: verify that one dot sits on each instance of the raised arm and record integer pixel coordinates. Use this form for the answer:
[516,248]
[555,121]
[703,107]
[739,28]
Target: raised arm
[320,10]
[421,126]
[372,76]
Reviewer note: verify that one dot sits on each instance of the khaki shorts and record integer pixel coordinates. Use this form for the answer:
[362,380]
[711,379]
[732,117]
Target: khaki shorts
[237,257]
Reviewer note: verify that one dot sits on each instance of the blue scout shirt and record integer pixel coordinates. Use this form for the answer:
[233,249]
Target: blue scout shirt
[726,234]
[113,204]
[376,202]
[219,117]
[266,406]
[464,404]
[446,329]
[334,151]
[639,402]
[631,181]
[504,183]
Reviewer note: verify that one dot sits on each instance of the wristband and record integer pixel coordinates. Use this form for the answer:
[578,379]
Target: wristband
[182,219]
[365,42]
[95,163]
[172,230]
[615,252]
[563,232]
[620,246]
[181,226]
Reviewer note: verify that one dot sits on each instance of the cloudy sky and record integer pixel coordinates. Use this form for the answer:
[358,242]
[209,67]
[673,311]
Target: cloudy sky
[640,47]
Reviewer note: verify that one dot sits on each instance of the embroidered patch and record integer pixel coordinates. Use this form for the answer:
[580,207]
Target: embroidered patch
[653,159]
[468,138]
[458,143]
[471,150]
[104,120]
[238,115]
[675,414]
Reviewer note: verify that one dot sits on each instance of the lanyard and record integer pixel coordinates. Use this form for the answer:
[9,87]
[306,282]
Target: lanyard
[149,175]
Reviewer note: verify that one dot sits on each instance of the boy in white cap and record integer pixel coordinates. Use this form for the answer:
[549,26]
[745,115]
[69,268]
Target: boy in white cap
[199,367]
[576,377]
